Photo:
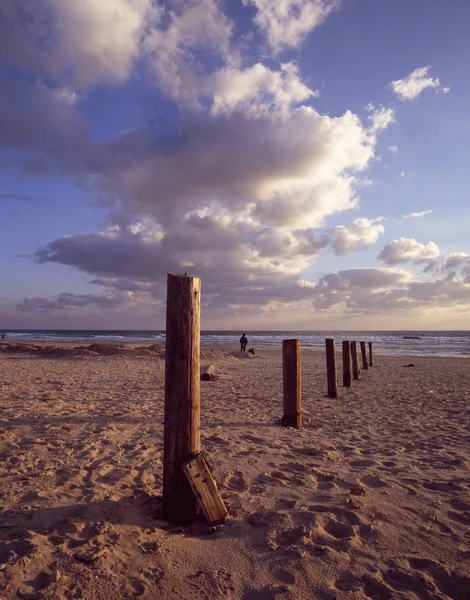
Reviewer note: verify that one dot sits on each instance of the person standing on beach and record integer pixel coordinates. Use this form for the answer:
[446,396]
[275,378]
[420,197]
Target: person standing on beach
[243,342]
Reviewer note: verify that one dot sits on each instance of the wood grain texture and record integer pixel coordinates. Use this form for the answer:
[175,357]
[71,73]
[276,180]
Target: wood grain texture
[182,396]
[356,369]
[292,387]
[205,489]
[346,364]
[331,368]
[365,364]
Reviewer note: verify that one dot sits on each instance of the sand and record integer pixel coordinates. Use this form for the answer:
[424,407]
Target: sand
[371,499]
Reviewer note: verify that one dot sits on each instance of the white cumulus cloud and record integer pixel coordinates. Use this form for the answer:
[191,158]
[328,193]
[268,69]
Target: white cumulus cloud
[408,250]
[346,238]
[411,87]
[285,23]
[257,90]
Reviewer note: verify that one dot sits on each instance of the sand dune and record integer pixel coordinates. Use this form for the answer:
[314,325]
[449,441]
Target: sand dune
[371,499]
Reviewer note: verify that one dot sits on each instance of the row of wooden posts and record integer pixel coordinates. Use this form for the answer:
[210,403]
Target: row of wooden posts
[187,482]
[292,387]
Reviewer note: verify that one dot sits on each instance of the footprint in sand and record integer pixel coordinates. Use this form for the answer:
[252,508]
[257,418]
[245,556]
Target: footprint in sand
[427,579]
[462,517]
[363,463]
[218,439]
[443,486]
[236,481]
[133,588]
[213,585]
[376,589]
[373,481]
[349,583]
[254,440]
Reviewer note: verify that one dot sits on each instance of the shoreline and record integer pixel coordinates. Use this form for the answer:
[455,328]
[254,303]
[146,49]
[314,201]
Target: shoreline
[28,346]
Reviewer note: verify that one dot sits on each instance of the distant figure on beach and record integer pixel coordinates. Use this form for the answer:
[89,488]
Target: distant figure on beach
[243,342]
[3,337]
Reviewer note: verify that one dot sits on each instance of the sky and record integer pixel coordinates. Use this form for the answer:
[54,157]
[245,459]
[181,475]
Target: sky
[307,159]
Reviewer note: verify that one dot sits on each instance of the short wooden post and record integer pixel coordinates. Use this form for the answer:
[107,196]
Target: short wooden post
[331,368]
[355,363]
[346,364]
[182,396]
[371,362]
[291,383]
[364,356]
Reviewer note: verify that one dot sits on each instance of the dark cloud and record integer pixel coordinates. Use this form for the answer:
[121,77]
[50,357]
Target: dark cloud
[66,301]
[20,197]
[380,290]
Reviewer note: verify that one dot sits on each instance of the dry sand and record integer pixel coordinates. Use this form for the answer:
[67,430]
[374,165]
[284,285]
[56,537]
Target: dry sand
[370,500]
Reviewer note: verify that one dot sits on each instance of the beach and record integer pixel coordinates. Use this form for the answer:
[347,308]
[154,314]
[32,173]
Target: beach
[370,499]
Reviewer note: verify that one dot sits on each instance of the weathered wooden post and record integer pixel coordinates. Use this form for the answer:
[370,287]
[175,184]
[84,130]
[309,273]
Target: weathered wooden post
[182,395]
[355,363]
[371,363]
[331,368]
[291,383]
[346,364]
[364,356]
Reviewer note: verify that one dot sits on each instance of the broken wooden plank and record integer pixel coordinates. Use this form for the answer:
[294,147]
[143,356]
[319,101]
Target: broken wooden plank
[205,489]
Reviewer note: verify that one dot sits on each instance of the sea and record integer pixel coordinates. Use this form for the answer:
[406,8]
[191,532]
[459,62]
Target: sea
[392,343]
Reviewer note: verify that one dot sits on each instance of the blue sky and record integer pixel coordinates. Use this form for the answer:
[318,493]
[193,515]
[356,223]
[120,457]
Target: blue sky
[308,159]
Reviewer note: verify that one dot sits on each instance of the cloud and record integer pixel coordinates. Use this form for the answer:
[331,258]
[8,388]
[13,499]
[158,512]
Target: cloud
[411,87]
[455,266]
[346,238]
[381,118]
[417,215]
[20,197]
[257,90]
[234,200]
[285,23]
[408,250]
[361,278]
[67,301]
[234,259]
[393,150]
[38,123]
[233,191]
[455,260]
[171,50]
[125,285]
[380,291]
[290,172]
[79,42]
[346,287]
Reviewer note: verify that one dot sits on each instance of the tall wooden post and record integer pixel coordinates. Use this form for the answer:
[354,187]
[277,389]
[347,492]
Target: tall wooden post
[346,364]
[364,356]
[331,368]
[355,363]
[291,383]
[182,395]
[371,362]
